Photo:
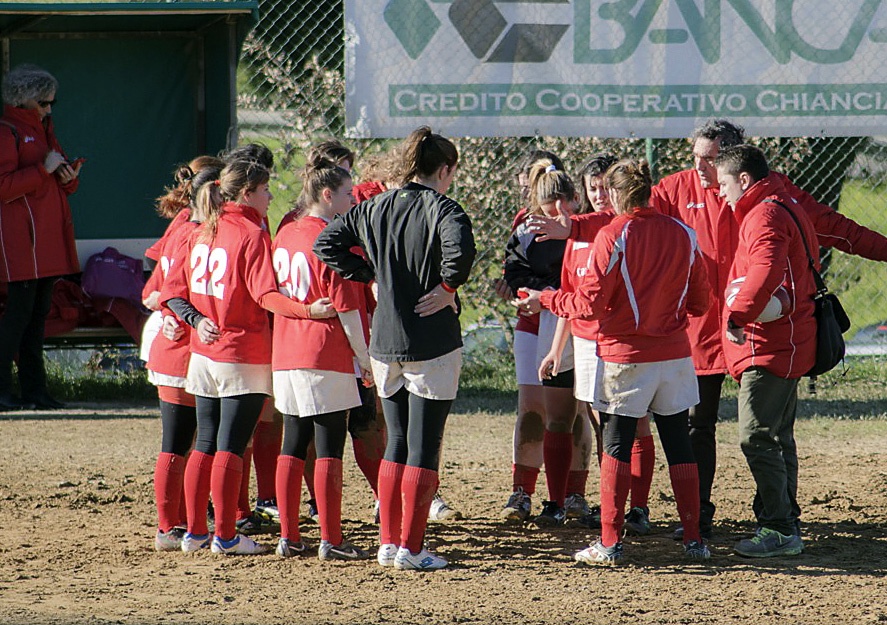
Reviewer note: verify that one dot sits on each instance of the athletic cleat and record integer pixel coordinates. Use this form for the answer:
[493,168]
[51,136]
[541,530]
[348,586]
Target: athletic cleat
[169,541]
[575,506]
[598,554]
[517,510]
[704,532]
[195,542]
[441,511]
[768,543]
[386,554]
[551,515]
[637,522]
[267,509]
[696,550]
[240,545]
[591,521]
[291,549]
[422,561]
[343,551]
[255,524]
[312,516]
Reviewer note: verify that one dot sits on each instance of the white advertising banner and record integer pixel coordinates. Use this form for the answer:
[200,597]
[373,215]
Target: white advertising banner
[615,68]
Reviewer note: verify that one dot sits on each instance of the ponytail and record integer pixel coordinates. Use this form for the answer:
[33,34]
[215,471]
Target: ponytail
[632,182]
[424,152]
[548,184]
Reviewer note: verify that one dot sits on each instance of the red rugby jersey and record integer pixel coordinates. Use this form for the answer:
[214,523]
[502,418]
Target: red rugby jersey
[171,357]
[312,343]
[224,279]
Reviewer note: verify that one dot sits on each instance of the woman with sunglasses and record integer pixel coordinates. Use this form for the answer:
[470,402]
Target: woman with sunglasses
[36,229]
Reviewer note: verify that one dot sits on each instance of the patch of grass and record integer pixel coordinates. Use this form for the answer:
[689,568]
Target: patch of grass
[105,376]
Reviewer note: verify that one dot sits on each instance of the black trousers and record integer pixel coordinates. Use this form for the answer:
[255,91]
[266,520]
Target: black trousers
[21,332]
[703,423]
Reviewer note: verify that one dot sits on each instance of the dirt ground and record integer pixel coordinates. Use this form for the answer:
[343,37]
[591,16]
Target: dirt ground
[77,522]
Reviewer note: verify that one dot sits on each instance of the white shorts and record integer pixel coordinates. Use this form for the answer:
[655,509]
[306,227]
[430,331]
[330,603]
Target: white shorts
[208,378]
[547,328]
[149,332]
[309,392]
[585,355]
[525,365]
[161,379]
[437,378]
[633,389]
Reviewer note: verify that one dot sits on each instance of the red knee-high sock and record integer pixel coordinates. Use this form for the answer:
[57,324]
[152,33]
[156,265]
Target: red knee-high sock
[289,494]
[244,509]
[266,448]
[643,461]
[418,487]
[169,476]
[328,486]
[557,450]
[524,477]
[310,459]
[198,473]
[368,456]
[228,469]
[183,515]
[685,484]
[390,502]
[577,482]
[615,482]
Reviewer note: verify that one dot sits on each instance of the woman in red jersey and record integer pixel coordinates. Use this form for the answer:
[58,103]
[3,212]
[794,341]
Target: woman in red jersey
[529,426]
[644,278]
[222,284]
[314,363]
[167,365]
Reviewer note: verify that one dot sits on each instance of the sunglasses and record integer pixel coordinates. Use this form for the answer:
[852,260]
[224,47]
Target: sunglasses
[46,103]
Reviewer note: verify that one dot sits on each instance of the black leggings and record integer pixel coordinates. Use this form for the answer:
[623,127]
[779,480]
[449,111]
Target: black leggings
[362,418]
[618,434]
[326,430]
[227,423]
[415,429]
[179,424]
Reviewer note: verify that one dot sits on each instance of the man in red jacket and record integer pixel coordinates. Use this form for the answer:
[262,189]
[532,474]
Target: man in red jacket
[766,355]
[692,196]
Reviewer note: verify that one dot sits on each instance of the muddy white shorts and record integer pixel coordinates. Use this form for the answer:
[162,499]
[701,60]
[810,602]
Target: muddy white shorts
[208,378]
[437,378]
[586,360]
[633,389]
[547,328]
[309,392]
[525,364]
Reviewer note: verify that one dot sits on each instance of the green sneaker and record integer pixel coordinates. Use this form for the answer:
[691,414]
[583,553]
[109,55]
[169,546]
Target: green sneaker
[768,543]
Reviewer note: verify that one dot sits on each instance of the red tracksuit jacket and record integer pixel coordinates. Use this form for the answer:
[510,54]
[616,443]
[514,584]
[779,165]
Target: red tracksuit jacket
[36,226]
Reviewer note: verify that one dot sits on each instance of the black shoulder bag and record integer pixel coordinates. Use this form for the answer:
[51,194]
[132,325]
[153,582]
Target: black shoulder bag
[831,320]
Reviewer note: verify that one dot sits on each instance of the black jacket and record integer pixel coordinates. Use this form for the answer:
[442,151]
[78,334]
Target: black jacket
[533,264]
[414,239]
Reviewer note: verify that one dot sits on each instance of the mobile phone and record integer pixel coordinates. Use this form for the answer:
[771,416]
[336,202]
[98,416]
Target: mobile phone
[78,161]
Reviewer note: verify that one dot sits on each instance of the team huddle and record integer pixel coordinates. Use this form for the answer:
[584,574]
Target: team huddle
[621,288]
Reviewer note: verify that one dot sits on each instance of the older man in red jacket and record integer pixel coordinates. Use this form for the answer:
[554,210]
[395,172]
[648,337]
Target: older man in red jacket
[692,196]
[768,355]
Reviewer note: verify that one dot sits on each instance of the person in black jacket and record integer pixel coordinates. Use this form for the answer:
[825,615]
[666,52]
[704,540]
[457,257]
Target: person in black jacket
[419,249]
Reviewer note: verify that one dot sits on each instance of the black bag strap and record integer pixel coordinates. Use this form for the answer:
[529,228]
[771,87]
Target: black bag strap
[821,288]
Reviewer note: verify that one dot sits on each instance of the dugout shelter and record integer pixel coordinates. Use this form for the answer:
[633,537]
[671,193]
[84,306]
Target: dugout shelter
[143,87]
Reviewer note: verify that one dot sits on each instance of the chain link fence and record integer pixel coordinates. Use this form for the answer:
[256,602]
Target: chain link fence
[292,93]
